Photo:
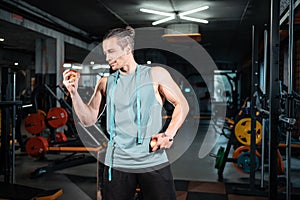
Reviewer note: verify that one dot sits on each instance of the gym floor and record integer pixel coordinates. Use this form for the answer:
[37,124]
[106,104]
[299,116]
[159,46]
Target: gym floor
[195,178]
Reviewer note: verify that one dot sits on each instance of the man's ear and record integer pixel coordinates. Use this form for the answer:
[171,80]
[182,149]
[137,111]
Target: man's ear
[128,50]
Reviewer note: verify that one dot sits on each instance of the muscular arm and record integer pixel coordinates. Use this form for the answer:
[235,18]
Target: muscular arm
[167,88]
[87,113]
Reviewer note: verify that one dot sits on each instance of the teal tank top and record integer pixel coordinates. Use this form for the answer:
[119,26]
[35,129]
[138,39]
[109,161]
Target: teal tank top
[125,151]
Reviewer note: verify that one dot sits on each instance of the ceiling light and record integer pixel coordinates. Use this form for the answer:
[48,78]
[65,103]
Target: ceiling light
[99,66]
[1,39]
[92,62]
[149,62]
[171,16]
[16,64]
[194,10]
[76,66]
[194,19]
[67,65]
[163,20]
[156,12]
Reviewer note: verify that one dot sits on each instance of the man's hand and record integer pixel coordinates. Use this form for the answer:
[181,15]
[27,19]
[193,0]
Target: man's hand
[70,80]
[160,141]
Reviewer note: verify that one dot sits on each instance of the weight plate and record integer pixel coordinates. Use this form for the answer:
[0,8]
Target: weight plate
[240,151]
[244,162]
[57,117]
[220,157]
[59,137]
[36,146]
[34,123]
[242,131]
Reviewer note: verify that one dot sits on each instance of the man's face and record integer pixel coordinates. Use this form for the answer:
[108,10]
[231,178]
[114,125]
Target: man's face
[115,55]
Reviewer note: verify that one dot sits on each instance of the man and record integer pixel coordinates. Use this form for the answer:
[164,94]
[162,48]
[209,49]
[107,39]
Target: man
[134,95]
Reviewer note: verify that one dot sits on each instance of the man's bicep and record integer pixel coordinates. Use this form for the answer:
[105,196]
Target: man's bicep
[98,95]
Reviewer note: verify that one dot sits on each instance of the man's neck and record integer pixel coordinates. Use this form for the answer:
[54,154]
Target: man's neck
[129,68]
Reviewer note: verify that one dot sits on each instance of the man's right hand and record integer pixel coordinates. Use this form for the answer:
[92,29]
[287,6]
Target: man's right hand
[70,80]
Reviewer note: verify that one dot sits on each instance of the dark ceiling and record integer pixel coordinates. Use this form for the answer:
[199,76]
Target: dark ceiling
[227,36]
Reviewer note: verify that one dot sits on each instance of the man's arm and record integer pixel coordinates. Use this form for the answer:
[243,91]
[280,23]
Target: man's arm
[87,113]
[170,90]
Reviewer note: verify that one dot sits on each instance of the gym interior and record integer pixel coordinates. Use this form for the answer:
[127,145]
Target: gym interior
[236,62]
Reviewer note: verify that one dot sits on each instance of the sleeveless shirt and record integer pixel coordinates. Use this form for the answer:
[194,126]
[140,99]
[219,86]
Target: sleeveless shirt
[125,152]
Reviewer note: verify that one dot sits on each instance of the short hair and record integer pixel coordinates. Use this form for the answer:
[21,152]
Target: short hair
[125,36]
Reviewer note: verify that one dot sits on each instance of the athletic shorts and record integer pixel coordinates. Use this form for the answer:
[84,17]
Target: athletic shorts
[153,185]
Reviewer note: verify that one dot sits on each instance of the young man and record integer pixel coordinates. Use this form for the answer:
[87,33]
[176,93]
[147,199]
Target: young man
[134,96]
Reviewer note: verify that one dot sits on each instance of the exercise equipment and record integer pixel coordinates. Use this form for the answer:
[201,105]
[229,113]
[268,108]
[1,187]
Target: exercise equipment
[219,157]
[78,152]
[57,117]
[37,146]
[34,123]
[59,137]
[8,107]
[242,154]
[96,145]
[244,162]
[242,131]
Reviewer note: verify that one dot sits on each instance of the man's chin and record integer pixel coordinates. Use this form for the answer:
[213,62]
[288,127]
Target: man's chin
[113,67]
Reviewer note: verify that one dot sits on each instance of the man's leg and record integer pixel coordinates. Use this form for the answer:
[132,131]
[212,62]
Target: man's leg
[121,187]
[158,184]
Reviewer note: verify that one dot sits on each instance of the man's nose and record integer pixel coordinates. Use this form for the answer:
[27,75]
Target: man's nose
[108,58]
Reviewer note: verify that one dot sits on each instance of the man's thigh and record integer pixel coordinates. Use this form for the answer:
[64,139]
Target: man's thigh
[157,184]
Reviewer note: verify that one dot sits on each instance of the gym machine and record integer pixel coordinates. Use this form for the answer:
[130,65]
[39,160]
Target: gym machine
[273,113]
[8,106]
[58,142]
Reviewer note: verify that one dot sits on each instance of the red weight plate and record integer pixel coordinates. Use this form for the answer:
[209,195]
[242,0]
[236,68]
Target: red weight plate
[60,137]
[36,146]
[57,117]
[34,123]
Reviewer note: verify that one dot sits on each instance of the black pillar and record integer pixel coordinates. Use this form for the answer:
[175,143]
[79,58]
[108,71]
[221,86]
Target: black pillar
[274,95]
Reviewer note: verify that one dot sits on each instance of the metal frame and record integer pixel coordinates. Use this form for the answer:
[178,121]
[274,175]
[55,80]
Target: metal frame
[290,99]
[253,105]
[274,95]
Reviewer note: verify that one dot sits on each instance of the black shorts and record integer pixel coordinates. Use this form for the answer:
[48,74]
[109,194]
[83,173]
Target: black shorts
[157,184]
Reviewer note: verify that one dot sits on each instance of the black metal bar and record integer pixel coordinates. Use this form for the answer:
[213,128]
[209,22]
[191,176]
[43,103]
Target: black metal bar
[14,118]
[274,98]
[5,159]
[5,128]
[264,90]
[290,100]
[253,105]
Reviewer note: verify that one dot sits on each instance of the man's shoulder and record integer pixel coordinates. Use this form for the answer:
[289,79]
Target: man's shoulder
[158,71]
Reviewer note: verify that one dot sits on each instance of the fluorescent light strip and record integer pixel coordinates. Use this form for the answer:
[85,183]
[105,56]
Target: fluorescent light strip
[193,11]
[163,20]
[194,19]
[99,66]
[76,66]
[67,65]
[156,12]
